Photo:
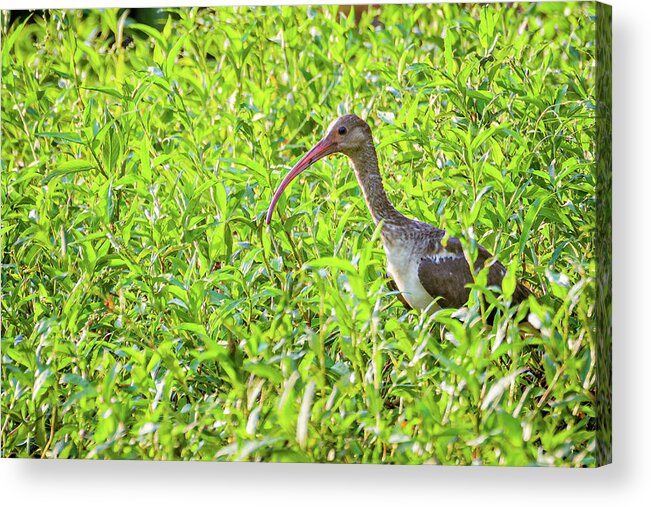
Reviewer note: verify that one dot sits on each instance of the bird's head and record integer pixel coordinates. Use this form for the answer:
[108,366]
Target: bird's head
[348,134]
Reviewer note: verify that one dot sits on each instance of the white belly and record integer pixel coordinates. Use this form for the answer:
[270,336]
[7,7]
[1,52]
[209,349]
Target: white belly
[402,266]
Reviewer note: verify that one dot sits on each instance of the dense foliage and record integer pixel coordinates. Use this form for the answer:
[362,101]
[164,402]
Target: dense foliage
[149,313]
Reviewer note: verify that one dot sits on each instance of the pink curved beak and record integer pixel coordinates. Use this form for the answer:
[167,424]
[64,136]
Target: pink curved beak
[321,149]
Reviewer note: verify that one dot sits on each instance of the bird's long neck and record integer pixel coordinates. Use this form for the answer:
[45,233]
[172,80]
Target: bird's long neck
[370,180]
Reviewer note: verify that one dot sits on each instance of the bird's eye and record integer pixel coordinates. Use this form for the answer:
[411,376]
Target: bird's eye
[342,131]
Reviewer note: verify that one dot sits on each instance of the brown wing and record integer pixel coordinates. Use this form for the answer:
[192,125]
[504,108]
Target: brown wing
[445,274]
[445,279]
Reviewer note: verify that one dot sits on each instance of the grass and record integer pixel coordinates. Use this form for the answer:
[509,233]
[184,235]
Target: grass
[149,313]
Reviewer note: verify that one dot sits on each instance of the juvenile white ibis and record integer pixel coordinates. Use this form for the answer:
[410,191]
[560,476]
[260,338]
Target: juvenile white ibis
[426,264]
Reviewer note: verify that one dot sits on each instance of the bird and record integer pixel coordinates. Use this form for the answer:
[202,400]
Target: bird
[427,266]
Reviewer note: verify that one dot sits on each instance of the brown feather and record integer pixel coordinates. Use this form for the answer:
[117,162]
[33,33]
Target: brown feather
[447,278]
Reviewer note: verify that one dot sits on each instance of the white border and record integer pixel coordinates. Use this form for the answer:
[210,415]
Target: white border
[626,482]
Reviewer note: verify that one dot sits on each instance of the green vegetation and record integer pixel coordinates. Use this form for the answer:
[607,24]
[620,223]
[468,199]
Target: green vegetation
[149,313]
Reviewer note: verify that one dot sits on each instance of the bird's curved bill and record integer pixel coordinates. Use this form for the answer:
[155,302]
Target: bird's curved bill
[320,150]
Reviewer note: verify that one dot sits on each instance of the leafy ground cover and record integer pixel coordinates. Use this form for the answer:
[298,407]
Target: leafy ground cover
[149,313]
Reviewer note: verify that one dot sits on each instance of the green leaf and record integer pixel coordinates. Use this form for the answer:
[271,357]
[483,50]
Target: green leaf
[267,371]
[104,89]
[66,168]
[152,32]
[450,64]
[486,26]
[172,54]
[112,150]
[332,262]
[71,137]
[10,40]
